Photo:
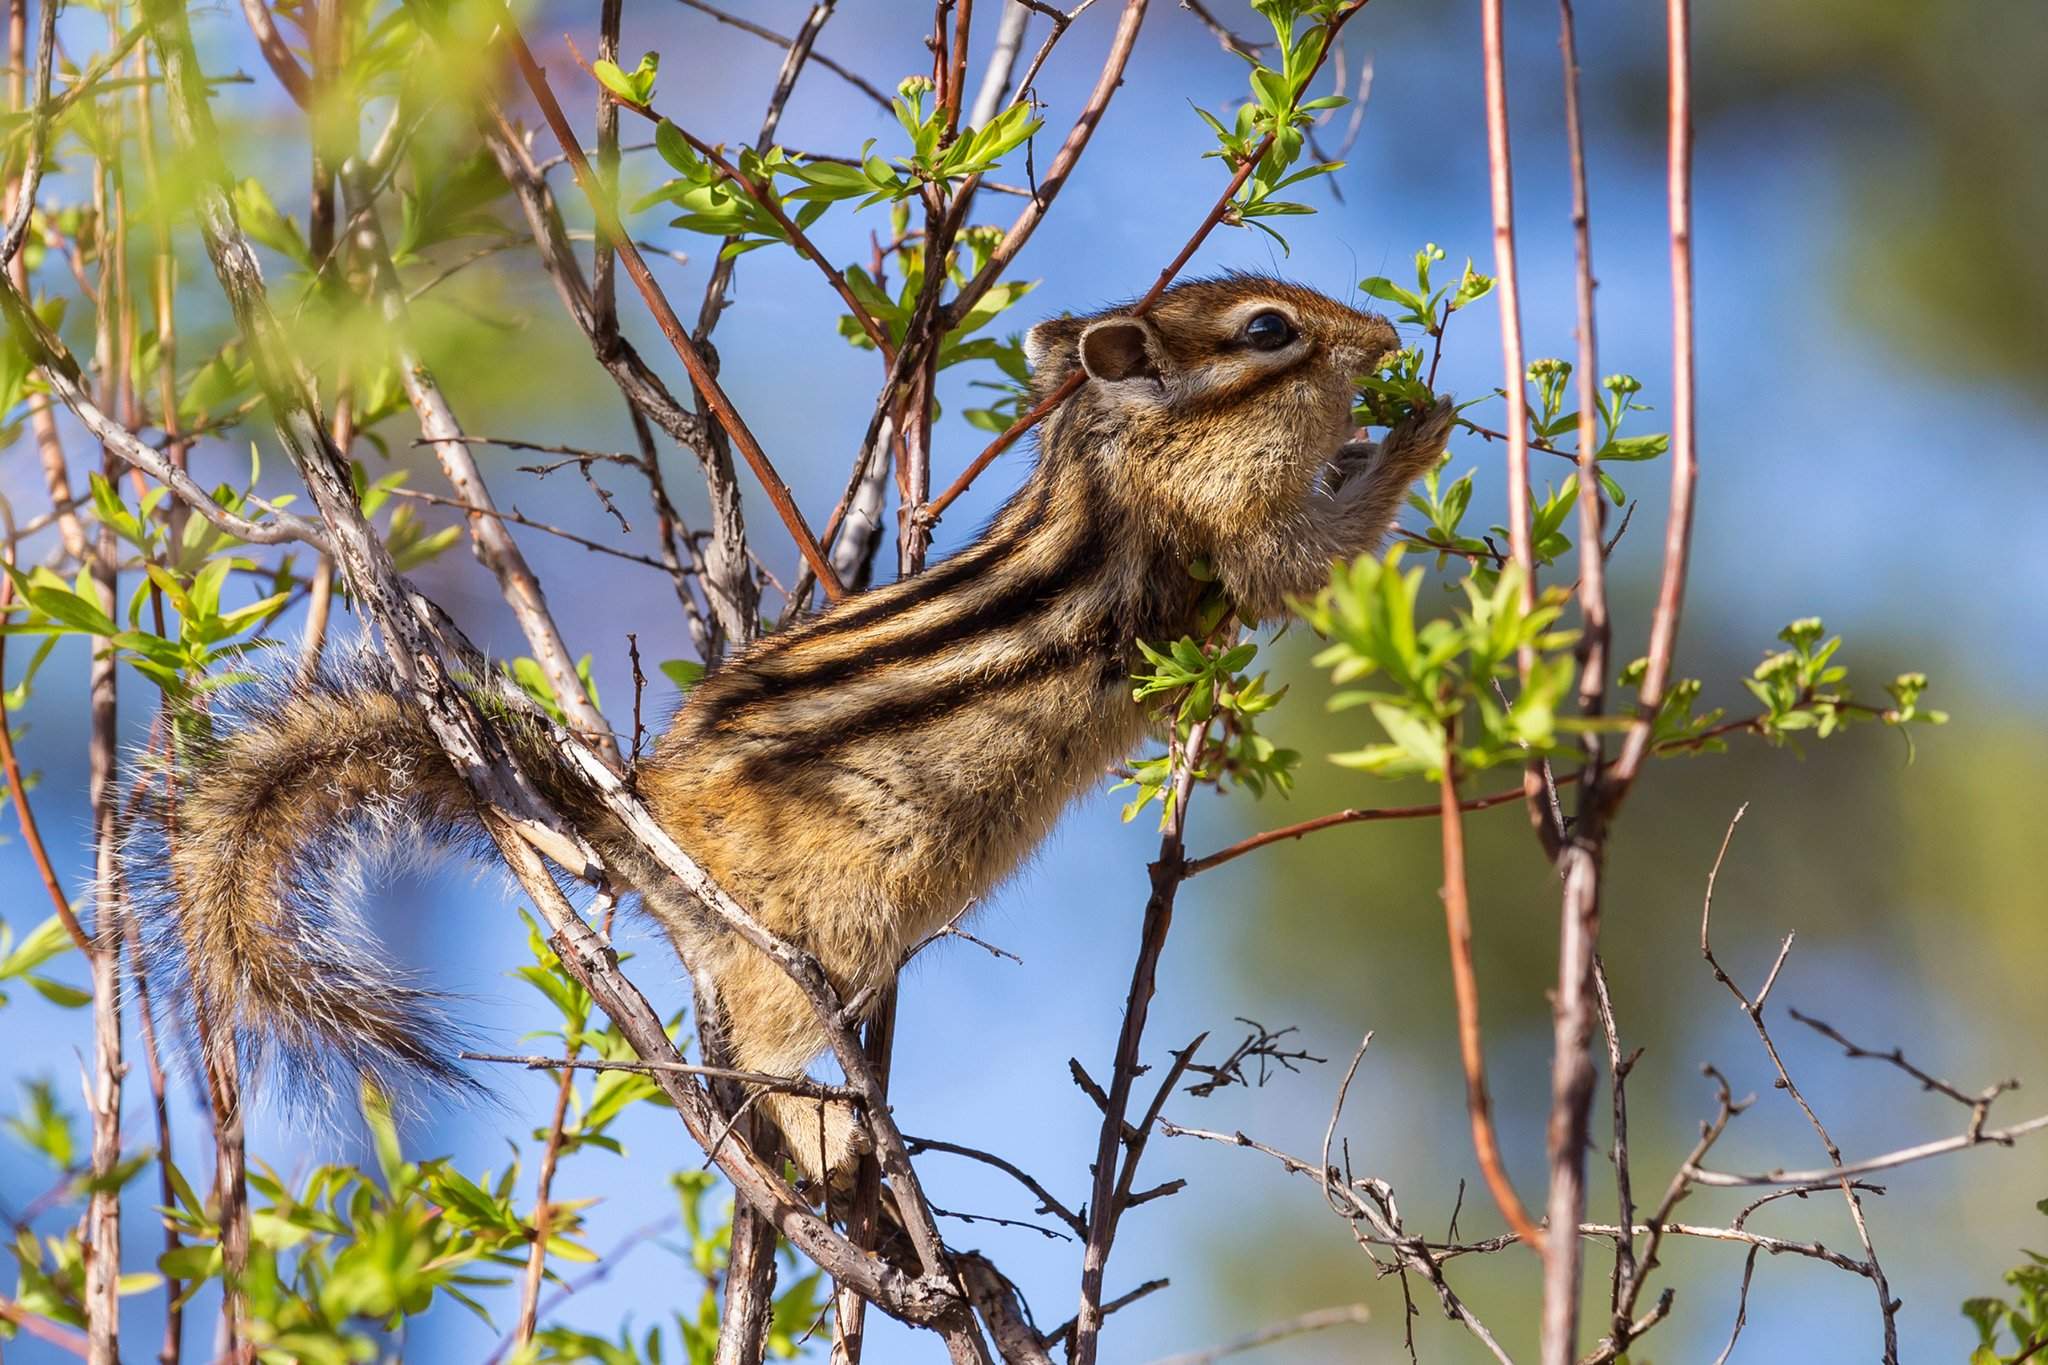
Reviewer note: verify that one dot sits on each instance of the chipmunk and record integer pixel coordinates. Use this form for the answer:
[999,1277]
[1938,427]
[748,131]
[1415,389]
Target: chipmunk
[857,779]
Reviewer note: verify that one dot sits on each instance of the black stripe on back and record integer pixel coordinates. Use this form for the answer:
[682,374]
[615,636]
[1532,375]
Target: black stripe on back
[1104,641]
[993,547]
[1030,596]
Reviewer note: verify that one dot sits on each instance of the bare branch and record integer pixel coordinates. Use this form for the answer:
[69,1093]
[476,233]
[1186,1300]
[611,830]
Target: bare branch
[1415,1253]
[1835,1175]
[1046,1202]
[852,78]
[1114,1164]
[1321,1319]
[672,328]
[1002,1307]
[61,371]
[1887,1306]
[1978,1104]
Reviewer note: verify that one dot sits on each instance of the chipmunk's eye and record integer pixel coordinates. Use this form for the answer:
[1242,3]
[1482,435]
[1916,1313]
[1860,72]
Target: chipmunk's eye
[1268,332]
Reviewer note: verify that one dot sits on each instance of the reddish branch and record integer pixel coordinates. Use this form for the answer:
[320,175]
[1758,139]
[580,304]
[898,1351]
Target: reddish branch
[1684,453]
[763,197]
[1352,817]
[1062,165]
[1471,1049]
[17,792]
[277,54]
[40,1327]
[671,327]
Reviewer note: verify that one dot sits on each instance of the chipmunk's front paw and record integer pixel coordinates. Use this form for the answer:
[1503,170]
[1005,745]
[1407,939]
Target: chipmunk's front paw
[1410,447]
[1417,441]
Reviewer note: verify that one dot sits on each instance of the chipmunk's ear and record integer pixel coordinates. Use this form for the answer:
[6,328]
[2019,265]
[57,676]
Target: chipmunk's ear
[1053,350]
[1049,346]
[1120,348]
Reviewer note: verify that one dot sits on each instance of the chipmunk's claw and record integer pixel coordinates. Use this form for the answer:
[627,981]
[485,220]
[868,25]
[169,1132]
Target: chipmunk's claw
[1418,439]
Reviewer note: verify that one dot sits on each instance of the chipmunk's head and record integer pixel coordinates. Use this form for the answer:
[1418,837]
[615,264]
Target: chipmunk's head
[1220,406]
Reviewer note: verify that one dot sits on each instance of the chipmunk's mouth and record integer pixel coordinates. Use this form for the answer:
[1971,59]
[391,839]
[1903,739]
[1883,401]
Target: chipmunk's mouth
[1348,461]
[1357,450]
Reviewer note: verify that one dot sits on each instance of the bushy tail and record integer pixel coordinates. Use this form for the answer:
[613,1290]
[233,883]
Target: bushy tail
[248,865]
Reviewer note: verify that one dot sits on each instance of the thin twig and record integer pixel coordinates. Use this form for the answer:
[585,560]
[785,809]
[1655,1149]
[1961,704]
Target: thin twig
[1321,1319]
[664,316]
[1834,1175]
[1046,1202]
[852,78]
[1978,1104]
[1415,1254]
[1065,1331]
[1754,1009]
[1433,809]
[518,518]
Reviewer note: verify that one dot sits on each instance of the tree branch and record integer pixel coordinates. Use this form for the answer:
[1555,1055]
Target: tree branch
[672,328]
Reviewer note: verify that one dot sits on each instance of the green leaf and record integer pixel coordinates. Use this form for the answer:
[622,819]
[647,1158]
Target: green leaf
[69,608]
[1635,447]
[191,1263]
[675,149]
[261,219]
[36,947]
[635,86]
[684,673]
[57,993]
[1421,740]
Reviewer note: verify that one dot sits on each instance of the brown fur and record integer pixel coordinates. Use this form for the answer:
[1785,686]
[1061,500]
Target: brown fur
[857,780]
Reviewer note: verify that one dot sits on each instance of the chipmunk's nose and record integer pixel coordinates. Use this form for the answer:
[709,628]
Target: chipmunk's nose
[1366,341]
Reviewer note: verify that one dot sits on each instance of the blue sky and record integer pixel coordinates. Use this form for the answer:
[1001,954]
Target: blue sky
[1831,484]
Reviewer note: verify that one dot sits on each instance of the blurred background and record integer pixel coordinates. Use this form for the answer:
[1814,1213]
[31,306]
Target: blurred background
[1873,332]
